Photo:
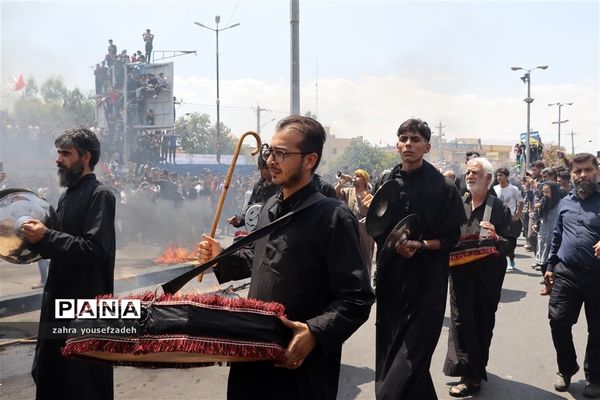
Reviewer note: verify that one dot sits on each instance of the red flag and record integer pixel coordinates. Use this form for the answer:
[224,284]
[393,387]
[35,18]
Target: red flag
[19,83]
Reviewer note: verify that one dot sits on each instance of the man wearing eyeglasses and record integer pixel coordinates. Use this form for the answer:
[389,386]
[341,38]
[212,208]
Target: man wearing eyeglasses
[312,265]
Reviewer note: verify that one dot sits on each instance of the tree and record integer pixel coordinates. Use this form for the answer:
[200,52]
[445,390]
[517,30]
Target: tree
[55,109]
[79,108]
[198,135]
[550,156]
[361,154]
[31,89]
[53,90]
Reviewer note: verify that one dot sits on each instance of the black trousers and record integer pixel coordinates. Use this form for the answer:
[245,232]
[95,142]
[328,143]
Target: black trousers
[573,288]
[515,231]
[475,290]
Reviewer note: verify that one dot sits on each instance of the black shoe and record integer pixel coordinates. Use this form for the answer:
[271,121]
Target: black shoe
[562,382]
[592,390]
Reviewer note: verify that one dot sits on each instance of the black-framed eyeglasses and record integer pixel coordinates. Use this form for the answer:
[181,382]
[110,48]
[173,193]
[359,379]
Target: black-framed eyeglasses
[278,155]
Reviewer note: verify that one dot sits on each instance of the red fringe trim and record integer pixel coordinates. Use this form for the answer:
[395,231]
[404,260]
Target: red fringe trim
[210,300]
[76,348]
[235,349]
[467,256]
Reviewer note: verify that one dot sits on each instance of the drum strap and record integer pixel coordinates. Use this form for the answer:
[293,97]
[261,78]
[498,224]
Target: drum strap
[487,213]
[177,283]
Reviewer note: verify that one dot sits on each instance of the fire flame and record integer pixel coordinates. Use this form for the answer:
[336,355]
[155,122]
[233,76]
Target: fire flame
[175,255]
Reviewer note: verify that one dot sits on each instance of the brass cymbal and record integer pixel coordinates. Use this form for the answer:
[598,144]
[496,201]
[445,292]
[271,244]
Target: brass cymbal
[406,229]
[17,206]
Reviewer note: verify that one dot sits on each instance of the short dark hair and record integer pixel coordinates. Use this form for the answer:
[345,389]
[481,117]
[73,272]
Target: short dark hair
[560,168]
[83,140]
[549,171]
[564,174]
[503,171]
[583,157]
[470,154]
[415,125]
[538,164]
[313,132]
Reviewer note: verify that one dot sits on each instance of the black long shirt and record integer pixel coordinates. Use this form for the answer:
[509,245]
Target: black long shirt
[82,247]
[313,266]
[82,253]
[411,293]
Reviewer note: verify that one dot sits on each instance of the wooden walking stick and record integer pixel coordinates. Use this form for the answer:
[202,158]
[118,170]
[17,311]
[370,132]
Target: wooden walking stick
[227,182]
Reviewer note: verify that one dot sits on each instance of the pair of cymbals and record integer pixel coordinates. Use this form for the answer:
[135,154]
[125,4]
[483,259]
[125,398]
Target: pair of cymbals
[405,229]
[383,215]
[384,209]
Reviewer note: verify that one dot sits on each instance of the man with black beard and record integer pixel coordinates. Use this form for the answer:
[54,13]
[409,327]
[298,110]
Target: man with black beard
[573,273]
[82,252]
[311,264]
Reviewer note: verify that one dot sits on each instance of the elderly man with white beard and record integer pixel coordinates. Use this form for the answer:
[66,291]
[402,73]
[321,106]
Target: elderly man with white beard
[478,265]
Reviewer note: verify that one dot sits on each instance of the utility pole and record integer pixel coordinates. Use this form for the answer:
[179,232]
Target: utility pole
[572,141]
[295,57]
[560,105]
[218,126]
[527,80]
[317,88]
[258,111]
[440,135]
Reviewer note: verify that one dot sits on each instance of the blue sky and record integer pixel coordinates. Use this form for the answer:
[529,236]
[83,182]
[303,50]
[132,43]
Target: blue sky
[379,62]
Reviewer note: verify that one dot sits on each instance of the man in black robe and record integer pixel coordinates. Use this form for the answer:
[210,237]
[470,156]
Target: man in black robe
[312,265]
[82,253]
[475,286]
[412,282]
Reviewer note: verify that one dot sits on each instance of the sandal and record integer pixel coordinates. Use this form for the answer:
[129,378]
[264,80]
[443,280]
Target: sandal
[464,389]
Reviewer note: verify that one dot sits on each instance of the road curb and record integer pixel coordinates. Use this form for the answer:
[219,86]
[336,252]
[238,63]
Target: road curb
[32,300]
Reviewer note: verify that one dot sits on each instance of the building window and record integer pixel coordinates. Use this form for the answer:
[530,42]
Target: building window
[333,150]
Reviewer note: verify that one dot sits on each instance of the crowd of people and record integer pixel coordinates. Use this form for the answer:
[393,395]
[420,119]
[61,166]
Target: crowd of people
[550,206]
[535,148]
[317,260]
[155,205]
[474,220]
[131,112]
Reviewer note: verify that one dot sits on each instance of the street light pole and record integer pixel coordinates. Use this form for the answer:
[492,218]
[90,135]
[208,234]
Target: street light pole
[216,30]
[527,79]
[572,141]
[560,105]
[217,19]
[295,57]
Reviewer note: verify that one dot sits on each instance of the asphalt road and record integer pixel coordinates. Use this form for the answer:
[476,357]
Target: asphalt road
[522,359]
